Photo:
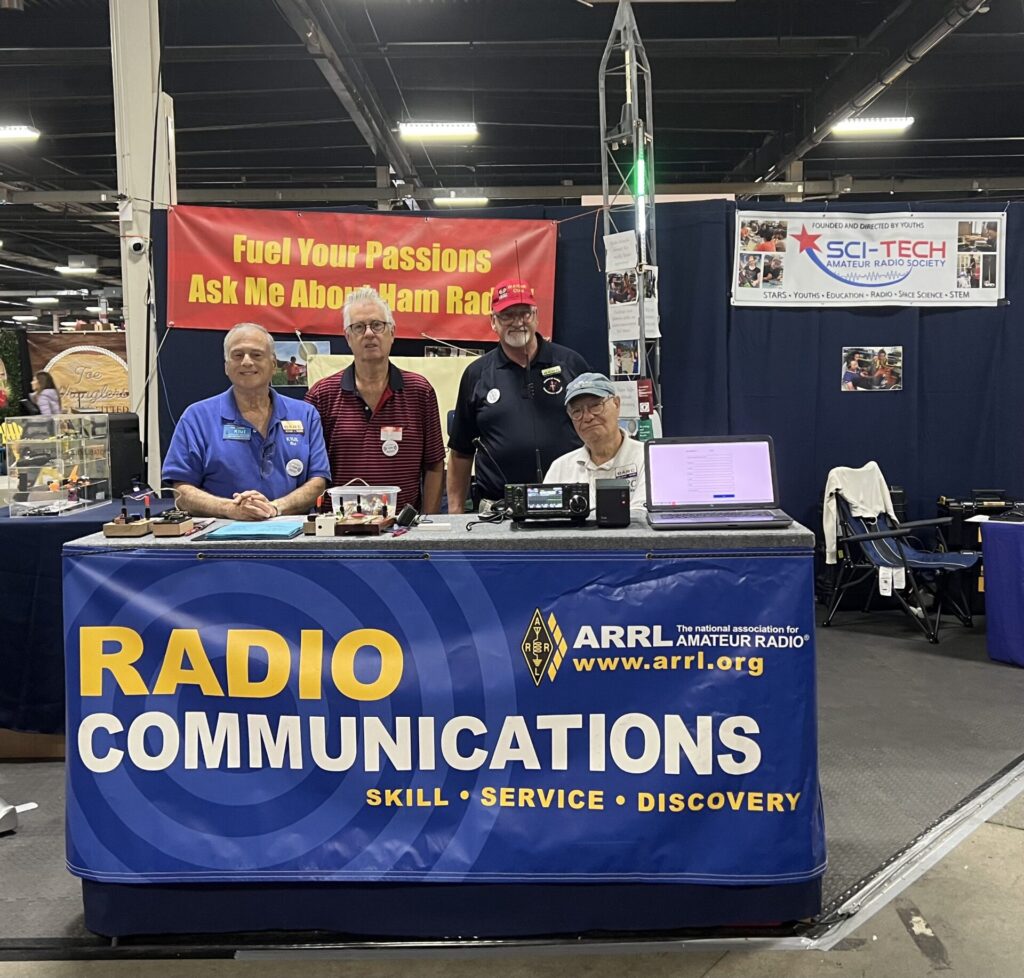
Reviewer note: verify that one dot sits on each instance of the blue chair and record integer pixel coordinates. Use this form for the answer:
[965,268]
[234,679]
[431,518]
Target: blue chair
[867,544]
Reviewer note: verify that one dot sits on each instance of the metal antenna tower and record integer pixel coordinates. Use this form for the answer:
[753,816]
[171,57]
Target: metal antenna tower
[624,57]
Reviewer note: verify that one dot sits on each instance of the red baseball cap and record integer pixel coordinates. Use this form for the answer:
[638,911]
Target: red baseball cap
[512,292]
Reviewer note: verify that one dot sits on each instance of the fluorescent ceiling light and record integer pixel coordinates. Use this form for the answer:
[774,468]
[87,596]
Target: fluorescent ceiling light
[432,132]
[92,308]
[868,126]
[69,322]
[18,132]
[71,270]
[453,201]
[24,319]
[43,300]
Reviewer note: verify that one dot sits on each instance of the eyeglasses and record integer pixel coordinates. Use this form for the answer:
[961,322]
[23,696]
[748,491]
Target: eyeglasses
[267,459]
[376,326]
[510,316]
[577,410]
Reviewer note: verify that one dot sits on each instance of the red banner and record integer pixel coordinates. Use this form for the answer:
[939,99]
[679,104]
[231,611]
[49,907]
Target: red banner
[288,270]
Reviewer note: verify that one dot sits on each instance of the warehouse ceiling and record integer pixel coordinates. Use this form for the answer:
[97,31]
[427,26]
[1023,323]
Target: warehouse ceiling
[304,96]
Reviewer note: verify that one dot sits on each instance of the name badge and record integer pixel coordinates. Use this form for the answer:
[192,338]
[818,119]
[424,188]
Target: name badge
[237,432]
[391,433]
[551,371]
[292,426]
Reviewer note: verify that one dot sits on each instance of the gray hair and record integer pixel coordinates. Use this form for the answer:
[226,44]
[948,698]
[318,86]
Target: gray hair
[365,293]
[234,329]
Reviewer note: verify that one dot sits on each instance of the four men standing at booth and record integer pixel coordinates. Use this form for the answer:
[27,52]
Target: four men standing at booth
[251,453]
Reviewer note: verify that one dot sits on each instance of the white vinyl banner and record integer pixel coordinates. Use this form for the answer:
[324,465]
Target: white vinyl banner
[816,258]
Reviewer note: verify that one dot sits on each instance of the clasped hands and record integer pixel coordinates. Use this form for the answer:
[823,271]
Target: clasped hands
[251,505]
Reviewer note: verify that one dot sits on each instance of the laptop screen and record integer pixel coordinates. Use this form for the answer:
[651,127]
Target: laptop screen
[709,474]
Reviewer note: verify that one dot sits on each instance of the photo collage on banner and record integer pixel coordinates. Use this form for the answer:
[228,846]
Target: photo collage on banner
[827,258]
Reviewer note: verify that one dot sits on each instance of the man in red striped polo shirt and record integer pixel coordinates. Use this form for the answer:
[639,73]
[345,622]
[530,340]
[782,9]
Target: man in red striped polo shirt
[380,423]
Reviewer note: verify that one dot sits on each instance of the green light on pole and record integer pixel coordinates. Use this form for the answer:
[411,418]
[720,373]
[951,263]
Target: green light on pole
[641,176]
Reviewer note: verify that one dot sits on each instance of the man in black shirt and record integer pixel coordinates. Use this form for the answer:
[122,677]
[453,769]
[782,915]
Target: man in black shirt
[510,412]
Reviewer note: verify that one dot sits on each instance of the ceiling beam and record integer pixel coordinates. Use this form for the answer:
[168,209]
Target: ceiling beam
[660,47]
[684,47]
[43,267]
[328,43]
[840,186]
[31,57]
[688,47]
[915,28]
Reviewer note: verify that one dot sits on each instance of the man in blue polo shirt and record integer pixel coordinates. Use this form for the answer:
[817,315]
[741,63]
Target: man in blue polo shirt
[249,453]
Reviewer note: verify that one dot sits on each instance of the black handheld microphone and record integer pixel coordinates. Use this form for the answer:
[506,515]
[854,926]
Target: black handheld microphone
[540,466]
[478,443]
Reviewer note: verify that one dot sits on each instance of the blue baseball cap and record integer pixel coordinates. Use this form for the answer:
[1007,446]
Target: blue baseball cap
[597,384]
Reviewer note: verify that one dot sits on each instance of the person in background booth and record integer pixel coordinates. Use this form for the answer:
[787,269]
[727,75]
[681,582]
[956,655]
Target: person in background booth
[249,453]
[44,394]
[510,404]
[607,453]
[382,424]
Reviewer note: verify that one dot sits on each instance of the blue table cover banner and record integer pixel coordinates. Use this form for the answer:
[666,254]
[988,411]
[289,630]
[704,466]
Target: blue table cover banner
[501,717]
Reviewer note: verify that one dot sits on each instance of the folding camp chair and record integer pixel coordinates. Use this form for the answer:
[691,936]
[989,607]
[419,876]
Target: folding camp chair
[868,545]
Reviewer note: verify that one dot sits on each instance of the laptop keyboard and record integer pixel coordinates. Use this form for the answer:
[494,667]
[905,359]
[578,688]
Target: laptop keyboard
[729,516]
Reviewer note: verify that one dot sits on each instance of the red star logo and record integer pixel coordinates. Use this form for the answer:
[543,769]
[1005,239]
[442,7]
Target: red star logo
[808,242]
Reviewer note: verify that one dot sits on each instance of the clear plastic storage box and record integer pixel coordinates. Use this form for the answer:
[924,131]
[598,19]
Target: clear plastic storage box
[58,464]
[359,500]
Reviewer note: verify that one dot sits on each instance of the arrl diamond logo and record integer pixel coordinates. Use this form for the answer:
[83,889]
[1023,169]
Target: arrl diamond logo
[543,647]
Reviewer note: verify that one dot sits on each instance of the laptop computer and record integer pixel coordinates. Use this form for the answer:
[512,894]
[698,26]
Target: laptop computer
[724,482]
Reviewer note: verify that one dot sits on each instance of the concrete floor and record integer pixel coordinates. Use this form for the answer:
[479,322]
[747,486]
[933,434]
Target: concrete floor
[962,918]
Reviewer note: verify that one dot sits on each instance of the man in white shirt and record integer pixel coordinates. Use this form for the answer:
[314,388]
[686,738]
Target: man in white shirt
[593,408]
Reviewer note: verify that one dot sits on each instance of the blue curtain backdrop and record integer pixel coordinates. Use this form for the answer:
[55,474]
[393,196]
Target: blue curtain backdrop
[955,426]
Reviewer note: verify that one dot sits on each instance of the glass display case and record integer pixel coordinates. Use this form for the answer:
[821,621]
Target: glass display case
[58,464]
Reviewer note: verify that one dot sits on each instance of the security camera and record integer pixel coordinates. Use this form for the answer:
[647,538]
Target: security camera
[136,245]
